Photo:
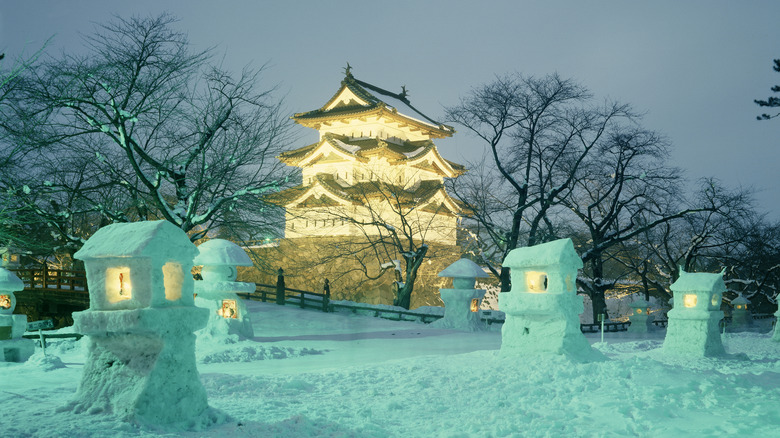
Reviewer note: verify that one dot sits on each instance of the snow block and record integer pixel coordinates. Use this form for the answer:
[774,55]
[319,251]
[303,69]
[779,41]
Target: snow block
[693,328]
[543,308]
[544,324]
[146,372]
[697,336]
[140,363]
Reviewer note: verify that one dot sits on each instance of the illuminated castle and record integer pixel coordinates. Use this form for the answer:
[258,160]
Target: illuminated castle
[372,162]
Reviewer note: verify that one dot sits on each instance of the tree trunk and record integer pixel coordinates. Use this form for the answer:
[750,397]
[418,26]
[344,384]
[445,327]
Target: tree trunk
[599,287]
[403,296]
[506,280]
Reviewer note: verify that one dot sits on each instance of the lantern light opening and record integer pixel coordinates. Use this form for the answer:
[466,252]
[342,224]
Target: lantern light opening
[537,282]
[690,300]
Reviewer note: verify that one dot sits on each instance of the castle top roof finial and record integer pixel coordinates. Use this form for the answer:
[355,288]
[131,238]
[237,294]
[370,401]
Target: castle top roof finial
[348,70]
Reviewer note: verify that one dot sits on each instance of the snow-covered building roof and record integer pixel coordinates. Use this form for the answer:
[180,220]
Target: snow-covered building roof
[341,148]
[325,191]
[353,99]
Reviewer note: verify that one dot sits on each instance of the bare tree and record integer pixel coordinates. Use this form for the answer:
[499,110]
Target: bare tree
[705,240]
[142,128]
[538,131]
[621,192]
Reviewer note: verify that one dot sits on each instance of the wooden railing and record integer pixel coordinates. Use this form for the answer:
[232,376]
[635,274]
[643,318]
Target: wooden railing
[53,279]
[302,298]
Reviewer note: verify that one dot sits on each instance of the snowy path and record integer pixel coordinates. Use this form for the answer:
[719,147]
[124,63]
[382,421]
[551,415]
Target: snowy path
[354,376]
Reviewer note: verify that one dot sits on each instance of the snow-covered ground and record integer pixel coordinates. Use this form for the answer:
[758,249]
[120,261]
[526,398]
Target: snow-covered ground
[309,374]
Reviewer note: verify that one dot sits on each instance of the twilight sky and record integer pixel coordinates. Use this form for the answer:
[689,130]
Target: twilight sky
[692,67]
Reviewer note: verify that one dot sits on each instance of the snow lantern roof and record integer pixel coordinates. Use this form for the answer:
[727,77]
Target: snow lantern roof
[740,300]
[463,268]
[558,252]
[148,239]
[699,282]
[9,281]
[222,252]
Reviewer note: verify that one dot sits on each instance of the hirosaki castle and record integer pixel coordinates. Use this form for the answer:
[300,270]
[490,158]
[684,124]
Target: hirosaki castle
[375,160]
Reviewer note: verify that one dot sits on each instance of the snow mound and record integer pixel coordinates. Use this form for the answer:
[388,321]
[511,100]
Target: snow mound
[45,362]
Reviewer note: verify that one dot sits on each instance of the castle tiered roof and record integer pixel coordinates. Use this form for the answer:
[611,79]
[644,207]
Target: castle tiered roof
[354,100]
[331,147]
[326,191]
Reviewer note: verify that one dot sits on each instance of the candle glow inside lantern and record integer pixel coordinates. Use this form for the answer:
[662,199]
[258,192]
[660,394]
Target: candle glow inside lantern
[740,316]
[461,303]
[141,321]
[217,291]
[542,309]
[641,321]
[13,348]
[693,328]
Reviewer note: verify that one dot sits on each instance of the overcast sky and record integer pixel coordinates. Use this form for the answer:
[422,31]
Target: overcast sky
[694,67]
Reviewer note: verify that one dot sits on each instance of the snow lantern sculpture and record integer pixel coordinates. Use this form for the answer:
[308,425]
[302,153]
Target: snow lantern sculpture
[693,327]
[740,316]
[542,309]
[217,291]
[141,321]
[13,348]
[641,321]
[461,303]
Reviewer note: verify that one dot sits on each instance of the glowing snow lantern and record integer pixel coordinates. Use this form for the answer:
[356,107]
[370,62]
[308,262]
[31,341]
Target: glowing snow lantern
[641,321]
[693,328]
[542,309]
[461,303]
[141,356]
[217,291]
[13,348]
[740,317]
